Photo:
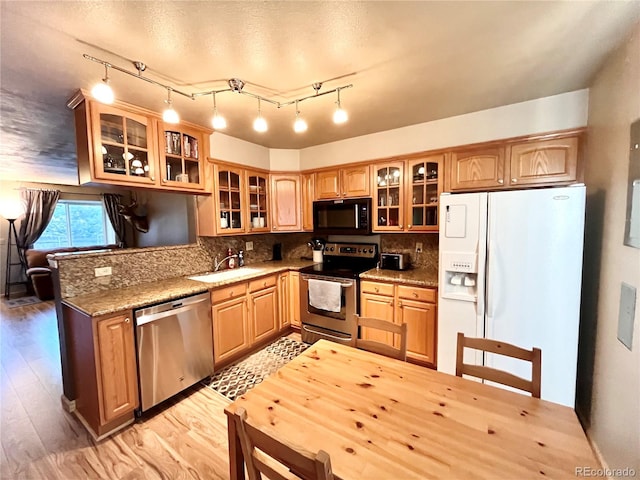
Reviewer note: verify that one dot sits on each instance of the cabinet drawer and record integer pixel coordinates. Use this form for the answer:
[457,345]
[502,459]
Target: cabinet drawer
[264,282]
[377,287]
[417,293]
[227,293]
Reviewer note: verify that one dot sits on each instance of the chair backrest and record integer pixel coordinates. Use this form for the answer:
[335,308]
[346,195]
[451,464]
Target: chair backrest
[494,375]
[379,347]
[301,463]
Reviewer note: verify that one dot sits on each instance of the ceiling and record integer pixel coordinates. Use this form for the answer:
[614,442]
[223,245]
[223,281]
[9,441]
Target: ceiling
[409,62]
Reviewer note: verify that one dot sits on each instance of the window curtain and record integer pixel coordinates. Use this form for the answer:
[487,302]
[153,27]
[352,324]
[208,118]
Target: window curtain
[39,207]
[112,204]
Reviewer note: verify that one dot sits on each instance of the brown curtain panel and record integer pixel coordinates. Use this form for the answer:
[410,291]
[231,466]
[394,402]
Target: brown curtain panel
[112,202]
[39,207]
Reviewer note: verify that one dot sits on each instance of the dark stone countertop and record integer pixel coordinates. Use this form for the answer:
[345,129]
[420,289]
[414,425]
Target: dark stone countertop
[420,277]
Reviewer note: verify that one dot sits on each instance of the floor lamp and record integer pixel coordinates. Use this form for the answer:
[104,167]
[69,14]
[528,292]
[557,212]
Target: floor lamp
[11,210]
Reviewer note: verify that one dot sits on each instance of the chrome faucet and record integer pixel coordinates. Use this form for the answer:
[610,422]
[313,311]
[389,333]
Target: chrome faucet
[217,264]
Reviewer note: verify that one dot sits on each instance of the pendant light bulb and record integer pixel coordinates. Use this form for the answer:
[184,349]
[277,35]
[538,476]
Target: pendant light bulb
[218,121]
[170,115]
[260,124]
[340,115]
[299,125]
[101,91]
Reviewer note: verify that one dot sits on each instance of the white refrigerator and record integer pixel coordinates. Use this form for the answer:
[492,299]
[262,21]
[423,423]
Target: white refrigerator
[511,270]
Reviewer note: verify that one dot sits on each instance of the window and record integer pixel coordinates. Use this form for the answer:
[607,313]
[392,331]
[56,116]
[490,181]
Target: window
[77,224]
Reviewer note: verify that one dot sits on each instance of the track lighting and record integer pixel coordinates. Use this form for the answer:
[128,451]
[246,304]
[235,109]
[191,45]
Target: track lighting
[102,91]
[170,115]
[260,124]
[218,121]
[340,115]
[299,125]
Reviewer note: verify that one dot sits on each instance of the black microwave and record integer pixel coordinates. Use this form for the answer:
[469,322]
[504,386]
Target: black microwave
[351,216]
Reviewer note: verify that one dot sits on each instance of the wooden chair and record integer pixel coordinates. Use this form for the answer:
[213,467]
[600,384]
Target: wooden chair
[378,347]
[501,348]
[255,443]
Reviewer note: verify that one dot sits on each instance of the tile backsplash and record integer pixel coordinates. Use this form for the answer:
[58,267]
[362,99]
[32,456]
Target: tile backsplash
[294,246]
[406,243]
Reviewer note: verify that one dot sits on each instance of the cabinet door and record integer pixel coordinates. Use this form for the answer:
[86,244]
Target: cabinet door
[284,298]
[328,184]
[118,383]
[420,318]
[124,146]
[308,195]
[182,157]
[377,306]
[264,313]
[544,161]
[388,197]
[258,202]
[477,168]
[230,329]
[294,298]
[424,187]
[285,203]
[355,181]
[229,191]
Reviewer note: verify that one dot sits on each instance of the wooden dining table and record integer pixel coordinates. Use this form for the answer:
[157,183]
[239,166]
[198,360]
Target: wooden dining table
[381,418]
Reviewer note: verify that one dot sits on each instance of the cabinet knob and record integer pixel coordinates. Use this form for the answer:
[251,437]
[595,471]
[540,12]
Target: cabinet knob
[153,178]
[514,180]
[264,284]
[127,320]
[415,294]
[409,226]
[344,194]
[400,226]
[391,304]
[500,181]
[231,293]
[400,304]
[377,289]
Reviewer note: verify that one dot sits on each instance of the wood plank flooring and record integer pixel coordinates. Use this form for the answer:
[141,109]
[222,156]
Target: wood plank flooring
[183,439]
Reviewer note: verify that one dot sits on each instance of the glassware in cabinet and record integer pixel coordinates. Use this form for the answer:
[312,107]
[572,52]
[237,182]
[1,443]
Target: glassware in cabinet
[258,218]
[230,202]
[424,188]
[388,196]
[182,165]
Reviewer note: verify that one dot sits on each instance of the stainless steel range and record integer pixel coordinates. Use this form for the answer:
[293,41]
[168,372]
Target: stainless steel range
[329,291]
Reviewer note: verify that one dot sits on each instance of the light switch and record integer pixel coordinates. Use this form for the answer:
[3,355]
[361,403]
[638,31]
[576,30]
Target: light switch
[102,271]
[626,314]
[249,246]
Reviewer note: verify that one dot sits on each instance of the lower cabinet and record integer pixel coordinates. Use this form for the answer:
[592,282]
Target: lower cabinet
[245,314]
[294,299]
[415,306]
[284,298]
[103,362]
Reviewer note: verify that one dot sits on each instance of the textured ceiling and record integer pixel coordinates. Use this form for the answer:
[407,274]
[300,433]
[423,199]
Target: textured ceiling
[409,62]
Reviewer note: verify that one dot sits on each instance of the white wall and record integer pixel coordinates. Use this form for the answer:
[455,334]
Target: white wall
[559,112]
[284,160]
[231,149]
[615,407]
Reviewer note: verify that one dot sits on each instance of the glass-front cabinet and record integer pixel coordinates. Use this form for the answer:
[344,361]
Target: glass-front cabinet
[124,150]
[258,201]
[181,162]
[229,190]
[423,192]
[388,197]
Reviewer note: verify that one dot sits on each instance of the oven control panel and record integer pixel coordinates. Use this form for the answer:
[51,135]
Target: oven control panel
[353,250]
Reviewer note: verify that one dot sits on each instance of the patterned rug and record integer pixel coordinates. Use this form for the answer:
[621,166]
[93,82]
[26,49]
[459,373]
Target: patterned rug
[235,379]
[21,302]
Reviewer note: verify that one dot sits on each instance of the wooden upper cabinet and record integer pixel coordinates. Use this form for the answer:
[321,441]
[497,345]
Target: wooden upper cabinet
[327,184]
[229,190]
[544,161]
[423,189]
[182,154]
[477,168]
[285,203]
[257,202]
[343,183]
[116,360]
[388,197]
[355,181]
[308,195]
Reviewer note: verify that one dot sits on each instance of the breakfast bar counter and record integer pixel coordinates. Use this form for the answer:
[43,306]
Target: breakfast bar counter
[381,418]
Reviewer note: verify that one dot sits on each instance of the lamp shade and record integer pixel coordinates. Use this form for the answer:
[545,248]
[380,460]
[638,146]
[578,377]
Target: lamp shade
[11,208]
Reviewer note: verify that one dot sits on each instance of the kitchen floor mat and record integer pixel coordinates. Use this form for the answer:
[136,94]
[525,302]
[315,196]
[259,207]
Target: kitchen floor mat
[235,379]
[21,302]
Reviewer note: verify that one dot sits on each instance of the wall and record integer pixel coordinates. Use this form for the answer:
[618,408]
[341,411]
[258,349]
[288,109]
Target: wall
[281,160]
[559,112]
[611,403]
[231,149]
[171,219]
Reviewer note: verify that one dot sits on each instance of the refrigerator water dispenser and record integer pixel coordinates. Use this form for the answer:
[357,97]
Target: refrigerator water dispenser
[460,276]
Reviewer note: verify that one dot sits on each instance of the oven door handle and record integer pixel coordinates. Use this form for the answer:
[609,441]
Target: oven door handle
[326,279]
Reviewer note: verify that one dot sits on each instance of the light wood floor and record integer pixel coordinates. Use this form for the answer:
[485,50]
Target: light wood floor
[186,439]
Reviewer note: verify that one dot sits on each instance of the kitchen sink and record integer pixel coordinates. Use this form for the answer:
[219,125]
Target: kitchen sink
[225,275]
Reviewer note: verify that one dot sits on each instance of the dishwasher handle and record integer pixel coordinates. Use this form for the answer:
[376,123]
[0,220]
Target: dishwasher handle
[168,309]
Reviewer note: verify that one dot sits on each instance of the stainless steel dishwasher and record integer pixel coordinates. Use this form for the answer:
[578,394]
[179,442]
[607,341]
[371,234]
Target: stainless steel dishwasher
[174,345]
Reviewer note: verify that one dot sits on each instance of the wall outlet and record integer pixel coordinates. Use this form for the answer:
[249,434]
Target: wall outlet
[418,247]
[102,271]
[249,246]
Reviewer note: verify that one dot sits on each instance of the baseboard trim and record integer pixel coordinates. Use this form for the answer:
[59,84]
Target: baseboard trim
[599,456]
[68,405]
